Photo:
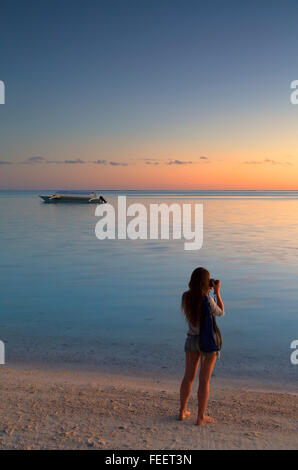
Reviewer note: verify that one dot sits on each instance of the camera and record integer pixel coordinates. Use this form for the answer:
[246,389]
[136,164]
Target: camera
[213,282]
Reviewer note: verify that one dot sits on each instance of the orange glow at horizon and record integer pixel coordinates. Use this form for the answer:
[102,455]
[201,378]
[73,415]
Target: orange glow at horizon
[221,175]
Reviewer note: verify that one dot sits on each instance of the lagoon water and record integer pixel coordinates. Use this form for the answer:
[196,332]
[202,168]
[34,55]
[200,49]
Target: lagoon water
[70,300]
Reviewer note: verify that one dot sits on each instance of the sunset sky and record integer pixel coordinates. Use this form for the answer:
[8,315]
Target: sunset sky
[148,94]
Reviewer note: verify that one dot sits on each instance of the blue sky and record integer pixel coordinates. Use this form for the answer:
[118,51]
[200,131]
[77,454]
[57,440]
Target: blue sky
[133,79]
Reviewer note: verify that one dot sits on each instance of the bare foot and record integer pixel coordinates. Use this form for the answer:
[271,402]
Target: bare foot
[183,415]
[204,420]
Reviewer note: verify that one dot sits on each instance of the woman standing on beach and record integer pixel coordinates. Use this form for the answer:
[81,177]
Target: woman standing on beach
[192,304]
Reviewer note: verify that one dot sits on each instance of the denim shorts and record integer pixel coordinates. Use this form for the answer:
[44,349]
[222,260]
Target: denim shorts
[192,345]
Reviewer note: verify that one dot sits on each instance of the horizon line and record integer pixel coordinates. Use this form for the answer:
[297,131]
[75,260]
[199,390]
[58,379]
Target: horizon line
[114,189]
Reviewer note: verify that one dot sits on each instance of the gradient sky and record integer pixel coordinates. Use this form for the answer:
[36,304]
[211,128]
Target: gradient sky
[167,94]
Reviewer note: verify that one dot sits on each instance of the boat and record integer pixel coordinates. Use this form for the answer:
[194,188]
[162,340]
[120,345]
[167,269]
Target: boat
[74,196]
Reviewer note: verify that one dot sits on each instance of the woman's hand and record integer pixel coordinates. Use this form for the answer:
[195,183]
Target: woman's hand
[216,287]
[218,297]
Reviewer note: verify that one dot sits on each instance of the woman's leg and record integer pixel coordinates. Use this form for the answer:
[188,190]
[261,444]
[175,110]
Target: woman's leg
[207,365]
[191,367]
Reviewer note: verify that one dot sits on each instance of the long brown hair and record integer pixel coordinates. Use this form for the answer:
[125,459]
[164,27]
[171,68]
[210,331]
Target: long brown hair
[192,299]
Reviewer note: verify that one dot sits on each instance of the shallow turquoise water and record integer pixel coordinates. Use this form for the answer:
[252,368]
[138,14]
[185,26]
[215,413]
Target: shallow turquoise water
[68,298]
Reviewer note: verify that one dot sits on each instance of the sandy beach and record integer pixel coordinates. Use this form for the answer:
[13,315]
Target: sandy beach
[42,409]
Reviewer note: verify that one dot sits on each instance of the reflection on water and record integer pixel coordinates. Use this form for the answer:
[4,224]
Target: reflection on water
[68,297]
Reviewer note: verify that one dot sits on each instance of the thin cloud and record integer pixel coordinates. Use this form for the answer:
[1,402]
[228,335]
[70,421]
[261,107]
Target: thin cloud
[204,159]
[118,164]
[63,162]
[74,162]
[100,162]
[272,162]
[151,161]
[154,161]
[266,161]
[3,162]
[33,160]
[178,162]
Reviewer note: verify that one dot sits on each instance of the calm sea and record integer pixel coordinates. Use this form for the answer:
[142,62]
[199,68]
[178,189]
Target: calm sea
[69,299]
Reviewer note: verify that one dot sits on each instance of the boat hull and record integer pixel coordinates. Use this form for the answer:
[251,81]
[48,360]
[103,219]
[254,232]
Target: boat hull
[62,199]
